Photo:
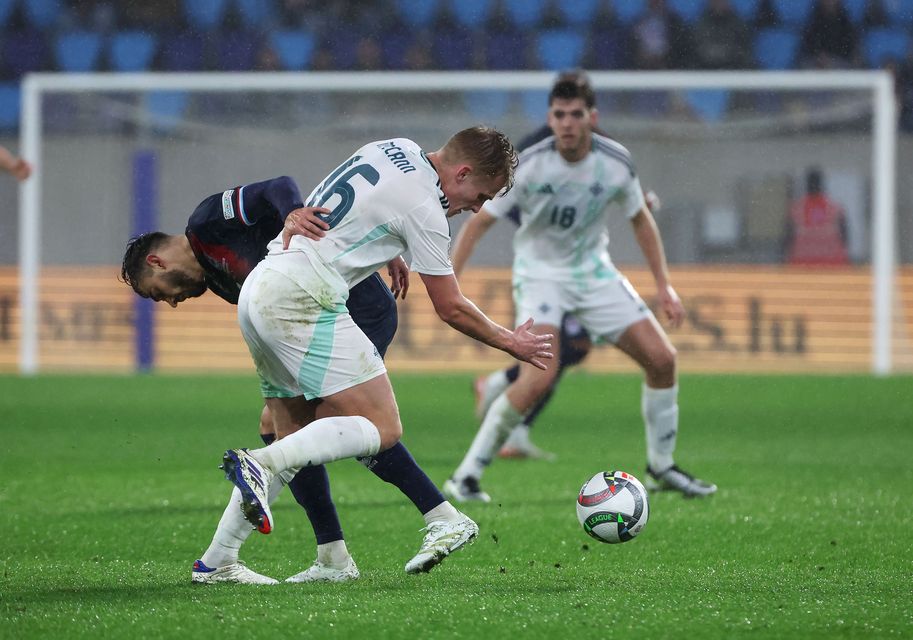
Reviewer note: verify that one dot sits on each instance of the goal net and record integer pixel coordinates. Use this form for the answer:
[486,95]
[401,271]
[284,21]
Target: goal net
[728,154]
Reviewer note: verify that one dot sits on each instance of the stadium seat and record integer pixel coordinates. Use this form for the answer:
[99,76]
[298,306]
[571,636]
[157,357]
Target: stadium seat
[395,47]
[183,52]
[9,105]
[78,51]
[487,106]
[525,14]
[776,48]
[747,9]
[688,10]
[856,10]
[900,12]
[6,8]
[418,14]
[580,13]
[23,52]
[472,14]
[558,49]
[885,44]
[535,104]
[294,48]
[205,14]
[506,51]
[131,51]
[629,11]
[453,49]
[255,13]
[793,13]
[608,50]
[237,50]
[41,14]
[709,105]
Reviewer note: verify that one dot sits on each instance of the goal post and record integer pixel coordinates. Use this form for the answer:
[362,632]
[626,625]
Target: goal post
[877,84]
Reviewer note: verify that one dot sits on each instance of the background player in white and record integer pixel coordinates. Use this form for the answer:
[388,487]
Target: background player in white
[566,186]
[387,198]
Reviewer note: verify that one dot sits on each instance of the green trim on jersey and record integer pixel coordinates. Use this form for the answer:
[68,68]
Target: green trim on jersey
[316,361]
[379,231]
[269,391]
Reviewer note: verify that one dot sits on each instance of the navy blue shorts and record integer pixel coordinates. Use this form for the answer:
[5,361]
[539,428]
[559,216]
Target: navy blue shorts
[373,308]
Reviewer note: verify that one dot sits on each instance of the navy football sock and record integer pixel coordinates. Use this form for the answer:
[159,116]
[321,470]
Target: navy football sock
[397,466]
[512,374]
[311,488]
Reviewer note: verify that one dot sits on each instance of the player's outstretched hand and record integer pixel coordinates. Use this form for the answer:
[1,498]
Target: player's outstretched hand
[672,306]
[532,347]
[21,169]
[398,271]
[306,222]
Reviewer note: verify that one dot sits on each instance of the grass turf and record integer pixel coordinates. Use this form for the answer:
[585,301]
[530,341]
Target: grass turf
[110,491]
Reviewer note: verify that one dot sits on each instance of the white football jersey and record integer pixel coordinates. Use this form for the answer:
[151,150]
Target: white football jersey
[385,199]
[564,209]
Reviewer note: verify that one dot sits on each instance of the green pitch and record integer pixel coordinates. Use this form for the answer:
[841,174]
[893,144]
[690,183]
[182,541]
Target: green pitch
[110,491]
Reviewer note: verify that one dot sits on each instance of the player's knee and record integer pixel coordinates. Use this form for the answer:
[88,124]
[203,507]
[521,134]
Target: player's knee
[266,422]
[662,364]
[390,432]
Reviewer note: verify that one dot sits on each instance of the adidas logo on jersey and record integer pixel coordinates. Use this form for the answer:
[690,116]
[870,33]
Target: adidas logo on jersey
[545,188]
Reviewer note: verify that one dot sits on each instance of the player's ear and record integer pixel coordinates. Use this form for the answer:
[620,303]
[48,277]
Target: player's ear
[594,117]
[463,173]
[155,262]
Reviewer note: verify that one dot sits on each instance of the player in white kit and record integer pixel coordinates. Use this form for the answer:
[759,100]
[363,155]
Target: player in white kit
[316,367]
[566,187]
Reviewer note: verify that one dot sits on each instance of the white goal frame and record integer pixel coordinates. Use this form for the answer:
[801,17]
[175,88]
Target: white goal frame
[884,143]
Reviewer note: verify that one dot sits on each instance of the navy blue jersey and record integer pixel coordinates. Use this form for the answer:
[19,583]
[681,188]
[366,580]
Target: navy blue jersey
[229,231]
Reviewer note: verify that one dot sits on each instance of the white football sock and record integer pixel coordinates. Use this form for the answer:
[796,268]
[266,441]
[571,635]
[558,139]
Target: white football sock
[519,437]
[444,512]
[496,426]
[234,529]
[660,411]
[333,554]
[495,384]
[320,442]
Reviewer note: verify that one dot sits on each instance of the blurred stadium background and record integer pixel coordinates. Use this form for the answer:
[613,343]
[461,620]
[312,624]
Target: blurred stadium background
[727,163]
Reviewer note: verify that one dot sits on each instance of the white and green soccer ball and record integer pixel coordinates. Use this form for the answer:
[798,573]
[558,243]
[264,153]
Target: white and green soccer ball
[612,506]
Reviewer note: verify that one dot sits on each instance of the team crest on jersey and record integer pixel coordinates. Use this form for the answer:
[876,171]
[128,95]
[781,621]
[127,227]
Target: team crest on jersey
[228,209]
[596,188]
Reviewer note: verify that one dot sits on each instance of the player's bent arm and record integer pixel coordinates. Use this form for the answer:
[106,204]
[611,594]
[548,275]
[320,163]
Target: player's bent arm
[472,230]
[463,315]
[651,244]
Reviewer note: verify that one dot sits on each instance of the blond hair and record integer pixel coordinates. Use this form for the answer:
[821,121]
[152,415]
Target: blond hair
[487,150]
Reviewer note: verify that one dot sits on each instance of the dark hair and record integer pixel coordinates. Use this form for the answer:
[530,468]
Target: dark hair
[573,84]
[488,150]
[134,266]
[814,180]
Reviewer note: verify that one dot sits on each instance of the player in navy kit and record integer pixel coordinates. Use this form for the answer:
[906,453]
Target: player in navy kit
[226,236]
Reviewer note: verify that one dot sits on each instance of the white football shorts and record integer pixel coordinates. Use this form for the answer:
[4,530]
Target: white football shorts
[605,307]
[299,347]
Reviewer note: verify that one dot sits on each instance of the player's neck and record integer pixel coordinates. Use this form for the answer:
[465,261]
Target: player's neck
[184,255]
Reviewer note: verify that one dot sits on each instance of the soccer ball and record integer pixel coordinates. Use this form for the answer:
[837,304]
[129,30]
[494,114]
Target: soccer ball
[612,506]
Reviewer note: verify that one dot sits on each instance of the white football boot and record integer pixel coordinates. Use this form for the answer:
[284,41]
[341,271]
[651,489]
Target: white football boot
[319,572]
[253,479]
[675,479]
[235,573]
[442,539]
[465,490]
[518,446]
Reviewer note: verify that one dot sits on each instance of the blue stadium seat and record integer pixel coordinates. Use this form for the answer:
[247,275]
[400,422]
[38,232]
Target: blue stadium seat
[535,104]
[78,51]
[6,8]
[856,10]
[255,13]
[23,52]
[418,14]
[205,14]
[793,13]
[747,9]
[900,12]
[453,49]
[294,48]
[709,105]
[42,14]
[885,44]
[184,52]
[525,14]
[506,51]
[580,13]
[776,48]
[609,50]
[166,108]
[237,50]
[487,106]
[131,51]
[472,14]
[9,105]
[688,10]
[629,11]
[395,47]
[560,49]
